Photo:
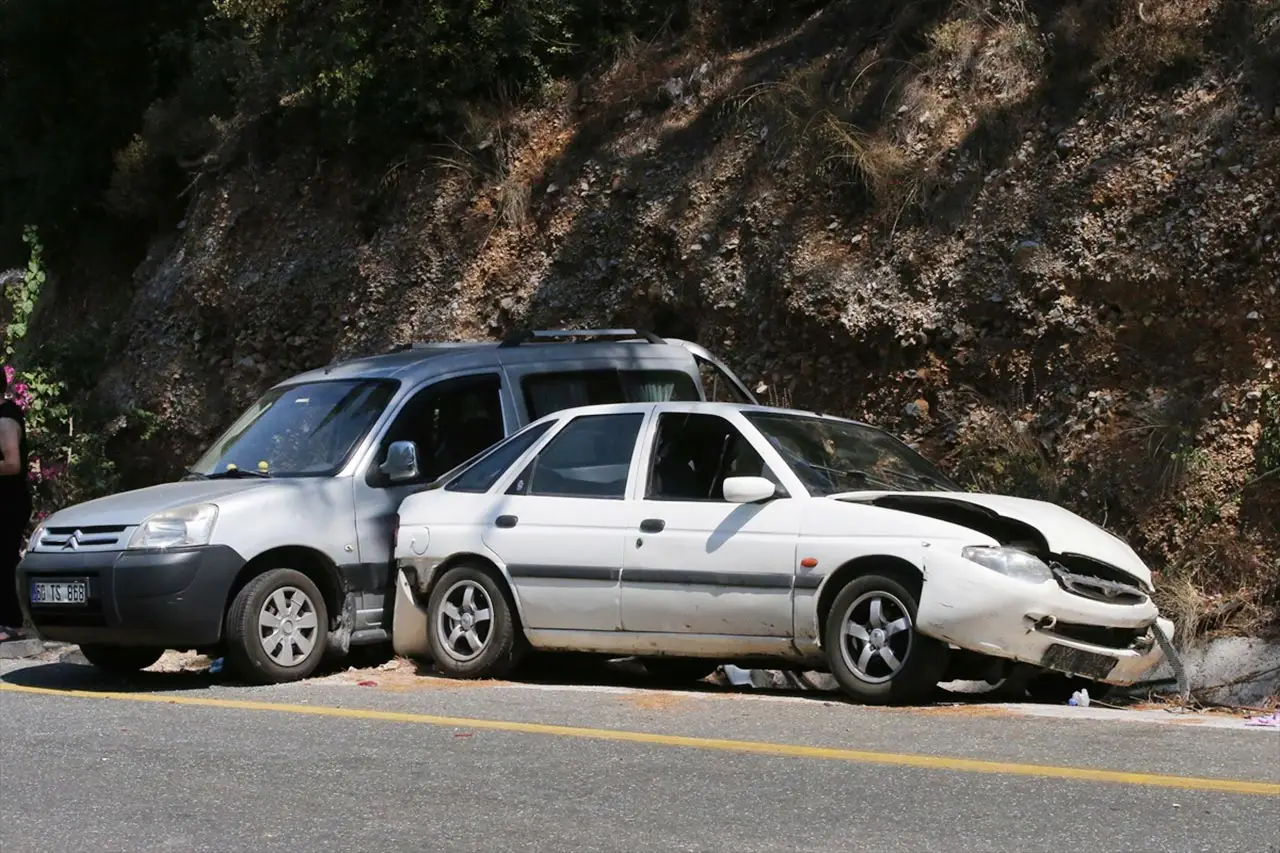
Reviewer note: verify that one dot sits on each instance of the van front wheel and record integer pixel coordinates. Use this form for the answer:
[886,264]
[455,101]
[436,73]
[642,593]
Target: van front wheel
[277,628]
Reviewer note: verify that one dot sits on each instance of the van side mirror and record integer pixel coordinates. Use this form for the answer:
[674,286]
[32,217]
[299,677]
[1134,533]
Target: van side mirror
[748,490]
[402,461]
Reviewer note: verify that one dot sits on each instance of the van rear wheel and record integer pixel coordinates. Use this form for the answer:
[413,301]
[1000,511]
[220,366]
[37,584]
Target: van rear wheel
[277,628]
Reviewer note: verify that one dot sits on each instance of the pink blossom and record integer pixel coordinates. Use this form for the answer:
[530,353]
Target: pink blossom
[22,395]
[9,373]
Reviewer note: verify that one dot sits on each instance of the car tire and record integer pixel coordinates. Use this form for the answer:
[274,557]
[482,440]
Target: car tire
[281,608]
[920,661]
[120,660]
[679,670]
[473,631]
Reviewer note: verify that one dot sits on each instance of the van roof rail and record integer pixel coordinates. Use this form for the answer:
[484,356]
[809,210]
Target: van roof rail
[525,336]
[412,345]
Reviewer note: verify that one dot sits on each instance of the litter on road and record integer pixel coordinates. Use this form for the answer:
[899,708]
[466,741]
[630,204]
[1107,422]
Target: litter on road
[1270,721]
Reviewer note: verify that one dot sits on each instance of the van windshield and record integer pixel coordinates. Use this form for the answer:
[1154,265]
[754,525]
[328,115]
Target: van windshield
[305,430]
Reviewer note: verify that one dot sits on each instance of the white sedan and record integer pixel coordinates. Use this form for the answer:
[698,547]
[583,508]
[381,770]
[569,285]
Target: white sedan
[690,534]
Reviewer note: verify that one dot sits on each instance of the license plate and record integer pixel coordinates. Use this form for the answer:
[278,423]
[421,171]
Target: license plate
[1078,661]
[65,592]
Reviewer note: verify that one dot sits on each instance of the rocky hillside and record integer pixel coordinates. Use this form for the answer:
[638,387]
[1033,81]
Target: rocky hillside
[1041,239]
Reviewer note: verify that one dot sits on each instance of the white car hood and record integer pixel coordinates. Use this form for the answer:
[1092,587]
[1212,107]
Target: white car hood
[127,509]
[1064,531]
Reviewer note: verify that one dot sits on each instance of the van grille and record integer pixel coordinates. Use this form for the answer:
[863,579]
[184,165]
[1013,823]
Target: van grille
[99,538]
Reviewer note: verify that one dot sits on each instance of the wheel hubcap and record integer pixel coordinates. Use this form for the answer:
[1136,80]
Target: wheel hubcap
[288,626]
[465,621]
[877,638]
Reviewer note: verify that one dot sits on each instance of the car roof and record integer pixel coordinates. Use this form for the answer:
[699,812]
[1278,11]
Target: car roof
[699,407]
[422,360]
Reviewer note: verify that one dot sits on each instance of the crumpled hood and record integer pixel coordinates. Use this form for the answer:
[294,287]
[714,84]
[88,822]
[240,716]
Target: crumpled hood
[132,508]
[1063,530]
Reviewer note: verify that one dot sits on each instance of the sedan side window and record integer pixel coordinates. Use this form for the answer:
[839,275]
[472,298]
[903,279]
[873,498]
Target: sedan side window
[589,458]
[695,454]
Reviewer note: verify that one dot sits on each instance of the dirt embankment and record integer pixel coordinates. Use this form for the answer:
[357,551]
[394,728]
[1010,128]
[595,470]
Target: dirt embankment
[1041,240]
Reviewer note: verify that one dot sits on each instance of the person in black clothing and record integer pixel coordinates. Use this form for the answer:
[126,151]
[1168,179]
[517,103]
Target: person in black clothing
[15,508]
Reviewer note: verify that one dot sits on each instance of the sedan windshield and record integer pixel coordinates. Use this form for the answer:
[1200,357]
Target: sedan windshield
[832,456]
[298,430]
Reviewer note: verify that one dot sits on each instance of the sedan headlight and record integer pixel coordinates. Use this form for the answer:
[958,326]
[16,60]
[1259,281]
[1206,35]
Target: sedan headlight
[184,527]
[1009,562]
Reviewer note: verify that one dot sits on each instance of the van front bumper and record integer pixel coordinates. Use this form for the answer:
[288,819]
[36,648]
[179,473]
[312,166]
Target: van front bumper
[173,599]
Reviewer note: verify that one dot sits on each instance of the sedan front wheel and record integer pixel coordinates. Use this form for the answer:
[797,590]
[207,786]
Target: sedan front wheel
[873,647]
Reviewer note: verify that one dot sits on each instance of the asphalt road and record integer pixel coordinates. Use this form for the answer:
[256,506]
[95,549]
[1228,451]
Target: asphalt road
[183,762]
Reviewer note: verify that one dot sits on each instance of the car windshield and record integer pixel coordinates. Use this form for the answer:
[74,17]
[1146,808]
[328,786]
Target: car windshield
[832,456]
[298,430]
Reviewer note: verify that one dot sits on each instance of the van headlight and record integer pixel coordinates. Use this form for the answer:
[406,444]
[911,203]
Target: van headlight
[1009,562]
[184,527]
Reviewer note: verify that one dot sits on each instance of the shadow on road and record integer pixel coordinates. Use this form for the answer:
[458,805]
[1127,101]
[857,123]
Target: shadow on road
[545,670]
[71,676]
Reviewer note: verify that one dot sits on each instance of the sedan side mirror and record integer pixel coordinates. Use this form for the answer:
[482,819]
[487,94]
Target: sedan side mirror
[748,490]
[402,461]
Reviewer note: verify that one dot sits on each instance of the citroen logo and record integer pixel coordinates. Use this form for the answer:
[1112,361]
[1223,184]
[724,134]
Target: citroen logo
[73,541]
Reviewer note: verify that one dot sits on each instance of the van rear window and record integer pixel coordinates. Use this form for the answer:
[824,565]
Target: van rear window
[545,393]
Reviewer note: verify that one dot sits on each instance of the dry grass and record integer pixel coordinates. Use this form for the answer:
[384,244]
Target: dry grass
[810,120]
[1154,35]
[1219,587]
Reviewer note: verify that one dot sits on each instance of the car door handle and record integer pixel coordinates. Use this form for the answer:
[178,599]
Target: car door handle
[652,525]
[505,521]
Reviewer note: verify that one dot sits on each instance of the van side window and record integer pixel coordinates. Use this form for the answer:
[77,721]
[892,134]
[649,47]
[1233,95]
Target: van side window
[450,421]
[480,475]
[717,385]
[545,393]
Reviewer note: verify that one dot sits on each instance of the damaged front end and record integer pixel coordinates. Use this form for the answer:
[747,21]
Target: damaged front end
[1085,611]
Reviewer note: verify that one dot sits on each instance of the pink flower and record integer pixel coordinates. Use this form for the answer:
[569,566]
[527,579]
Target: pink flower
[9,373]
[22,395]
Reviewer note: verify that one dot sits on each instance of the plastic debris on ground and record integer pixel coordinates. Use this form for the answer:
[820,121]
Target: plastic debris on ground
[1270,721]
[216,666]
[1079,699]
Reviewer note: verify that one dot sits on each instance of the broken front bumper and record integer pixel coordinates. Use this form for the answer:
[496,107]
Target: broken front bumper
[980,610]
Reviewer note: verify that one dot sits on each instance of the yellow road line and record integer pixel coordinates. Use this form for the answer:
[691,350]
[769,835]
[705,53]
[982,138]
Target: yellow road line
[926,762]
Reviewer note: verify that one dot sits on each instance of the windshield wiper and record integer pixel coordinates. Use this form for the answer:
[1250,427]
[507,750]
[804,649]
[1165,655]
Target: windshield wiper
[236,474]
[855,474]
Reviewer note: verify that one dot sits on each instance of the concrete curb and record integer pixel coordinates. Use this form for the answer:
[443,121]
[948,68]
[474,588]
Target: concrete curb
[29,648]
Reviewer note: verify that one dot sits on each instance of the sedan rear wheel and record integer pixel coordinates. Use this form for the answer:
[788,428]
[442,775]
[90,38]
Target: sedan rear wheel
[473,632]
[873,647]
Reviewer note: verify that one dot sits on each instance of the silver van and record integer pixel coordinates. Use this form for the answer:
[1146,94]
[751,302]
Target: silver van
[276,546]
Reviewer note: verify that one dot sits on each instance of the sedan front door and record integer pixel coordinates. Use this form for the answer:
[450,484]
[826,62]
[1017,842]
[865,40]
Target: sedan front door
[695,563]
